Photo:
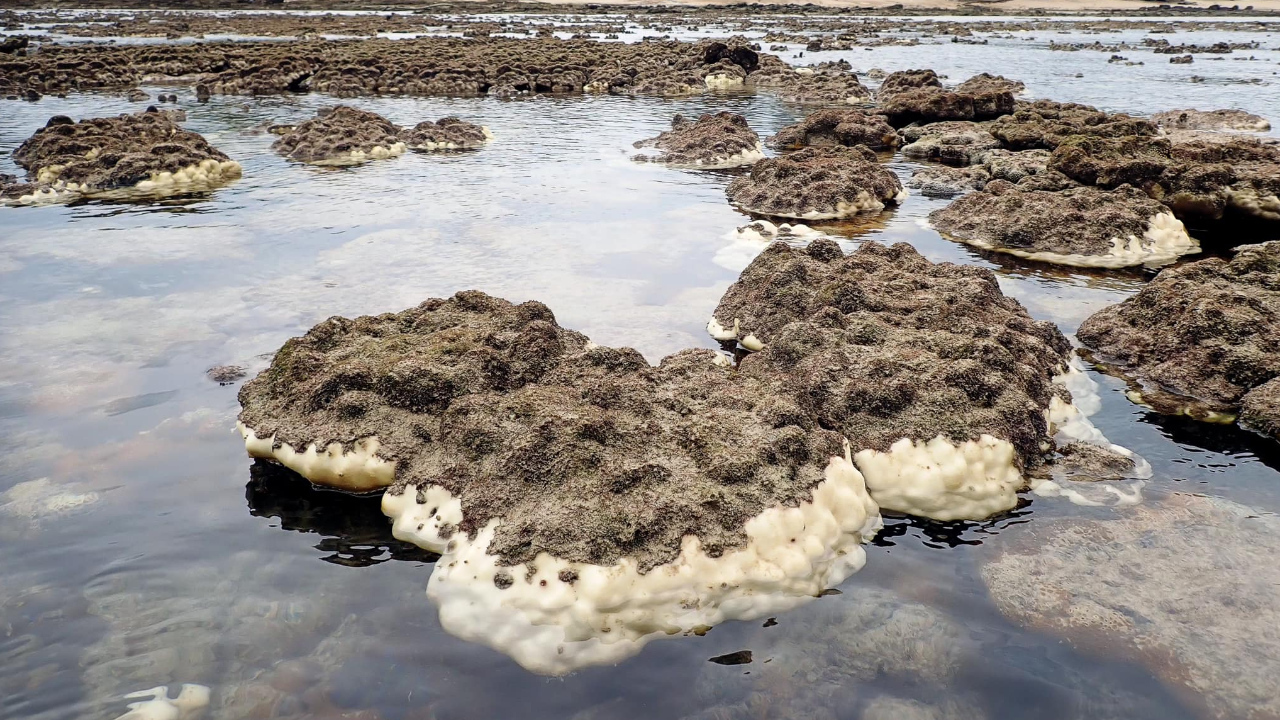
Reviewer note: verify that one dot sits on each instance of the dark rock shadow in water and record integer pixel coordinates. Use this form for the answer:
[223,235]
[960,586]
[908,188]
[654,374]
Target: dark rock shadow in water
[353,530]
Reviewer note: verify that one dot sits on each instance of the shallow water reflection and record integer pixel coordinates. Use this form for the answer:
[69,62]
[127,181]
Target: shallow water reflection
[112,313]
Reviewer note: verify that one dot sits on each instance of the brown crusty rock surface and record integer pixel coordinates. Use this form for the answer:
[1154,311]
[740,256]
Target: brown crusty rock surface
[883,344]
[712,141]
[955,142]
[103,154]
[448,133]
[1043,124]
[585,452]
[1211,121]
[1078,221]
[817,183]
[838,127]
[340,135]
[986,83]
[1201,335]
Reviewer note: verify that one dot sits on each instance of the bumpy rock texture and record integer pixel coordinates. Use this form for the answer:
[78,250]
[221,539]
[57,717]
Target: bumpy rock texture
[1205,616]
[587,453]
[1211,121]
[341,135]
[1043,124]
[1077,221]
[1208,331]
[714,141]
[954,142]
[882,344]
[112,153]
[917,96]
[448,133]
[817,183]
[838,127]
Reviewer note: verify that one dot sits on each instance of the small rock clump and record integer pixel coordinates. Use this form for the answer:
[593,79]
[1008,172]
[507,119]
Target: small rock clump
[1082,226]
[838,127]
[882,344]
[817,183]
[951,142]
[339,136]
[722,140]
[1200,338]
[1211,121]
[987,83]
[448,133]
[143,153]
[944,181]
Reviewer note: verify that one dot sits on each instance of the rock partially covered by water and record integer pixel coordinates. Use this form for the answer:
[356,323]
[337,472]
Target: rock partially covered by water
[129,155]
[904,80]
[722,140]
[448,133]
[1211,121]
[817,183]
[1199,337]
[946,181]
[1204,618]
[1084,227]
[339,136]
[584,501]
[953,143]
[827,83]
[930,104]
[988,83]
[838,127]
[921,365]
[1044,124]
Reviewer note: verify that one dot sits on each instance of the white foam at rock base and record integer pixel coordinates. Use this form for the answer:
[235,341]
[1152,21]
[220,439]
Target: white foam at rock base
[357,470]
[863,202]
[608,613]
[975,479]
[359,156]
[722,333]
[189,705]
[204,175]
[746,242]
[739,159]
[723,81]
[430,146]
[1249,201]
[1164,241]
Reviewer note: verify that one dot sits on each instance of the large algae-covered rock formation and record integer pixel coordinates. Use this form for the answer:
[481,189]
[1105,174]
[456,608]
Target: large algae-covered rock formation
[1043,124]
[339,136]
[838,127]
[1202,338]
[817,183]
[1083,226]
[917,96]
[140,155]
[1205,618]
[944,387]
[584,502]
[722,140]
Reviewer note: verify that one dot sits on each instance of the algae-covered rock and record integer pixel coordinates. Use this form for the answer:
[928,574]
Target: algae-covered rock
[817,183]
[838,127]
[722,140]
[341,135]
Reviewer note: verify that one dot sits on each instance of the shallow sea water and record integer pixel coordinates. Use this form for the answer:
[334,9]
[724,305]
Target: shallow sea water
[168,558]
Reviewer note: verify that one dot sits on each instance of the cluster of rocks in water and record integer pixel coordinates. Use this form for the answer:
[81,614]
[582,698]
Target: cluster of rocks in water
[345,135]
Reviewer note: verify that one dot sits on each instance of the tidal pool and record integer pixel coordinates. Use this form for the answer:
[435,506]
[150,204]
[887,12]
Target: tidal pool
[143,548]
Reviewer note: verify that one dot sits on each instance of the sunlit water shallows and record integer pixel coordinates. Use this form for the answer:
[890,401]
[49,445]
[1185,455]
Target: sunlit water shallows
[142,548]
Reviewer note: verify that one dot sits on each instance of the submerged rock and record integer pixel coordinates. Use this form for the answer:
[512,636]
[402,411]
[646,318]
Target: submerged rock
[838,127]
[817,183]
[585,502]
[1203,617]
[138,155]
[339,136]
[448,133]
[1084,227]
[723,140]
[1211,121]
[875,344]
[1199,338]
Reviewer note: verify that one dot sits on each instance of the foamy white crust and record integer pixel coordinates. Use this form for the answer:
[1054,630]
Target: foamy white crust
[429,146]
[723,81]
[358,156]
[1250,202]
[940,480]
[205,175]
[1164,241]
[359,470]
[722,333]
[746,242]
[189,705]
[610,612]
[863,202]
